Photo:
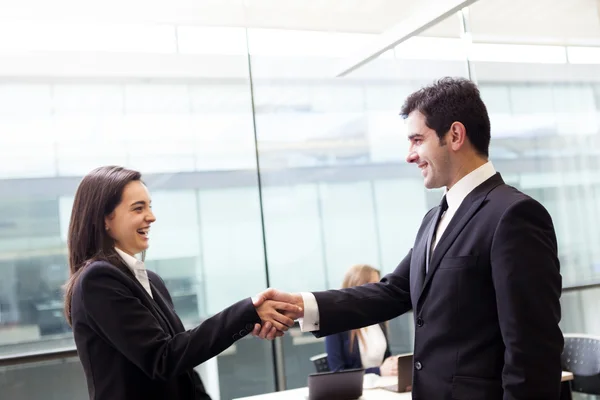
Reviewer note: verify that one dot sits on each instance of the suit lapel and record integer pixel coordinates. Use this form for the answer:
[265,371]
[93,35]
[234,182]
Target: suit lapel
[419,260]
[152,301]
[468,208]
[165,311]
[175,326]
[431,229]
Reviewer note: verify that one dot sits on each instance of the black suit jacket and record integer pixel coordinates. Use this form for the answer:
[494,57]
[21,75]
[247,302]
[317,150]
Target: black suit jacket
[134,347]
[486,314]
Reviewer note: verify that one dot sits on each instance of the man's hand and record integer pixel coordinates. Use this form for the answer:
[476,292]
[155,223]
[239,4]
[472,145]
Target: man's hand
[277,310]
[274,294]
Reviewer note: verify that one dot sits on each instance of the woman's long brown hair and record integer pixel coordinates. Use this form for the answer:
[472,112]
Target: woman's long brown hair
[97,196]
[358,275]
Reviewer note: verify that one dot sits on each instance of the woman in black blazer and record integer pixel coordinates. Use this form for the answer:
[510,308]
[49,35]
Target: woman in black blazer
[131,343]
[367,347]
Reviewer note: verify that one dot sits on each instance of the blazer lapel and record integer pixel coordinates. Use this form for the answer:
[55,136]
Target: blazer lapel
[419,260]
[165,311]
[465,212]
[152,301]
[431,229]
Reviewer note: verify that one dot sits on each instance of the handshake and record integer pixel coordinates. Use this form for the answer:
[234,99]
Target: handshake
[277,311]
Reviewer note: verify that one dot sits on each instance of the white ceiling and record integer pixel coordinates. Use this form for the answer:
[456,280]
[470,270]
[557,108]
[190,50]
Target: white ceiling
[371,16]
[572,22]
[536,21]
[512,21]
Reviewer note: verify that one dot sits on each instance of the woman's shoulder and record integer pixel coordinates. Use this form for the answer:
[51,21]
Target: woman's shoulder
[159,283]
[155,278]
[96,279]
[99,273]
[101,268]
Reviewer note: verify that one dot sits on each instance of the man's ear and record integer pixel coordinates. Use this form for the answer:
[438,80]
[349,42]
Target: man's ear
[457,136]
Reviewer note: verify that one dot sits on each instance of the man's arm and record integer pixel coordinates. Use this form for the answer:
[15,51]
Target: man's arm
[352,308]
[310,319]
[526,276]
[334,311]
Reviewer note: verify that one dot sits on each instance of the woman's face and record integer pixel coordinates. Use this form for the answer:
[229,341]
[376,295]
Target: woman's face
[129,224]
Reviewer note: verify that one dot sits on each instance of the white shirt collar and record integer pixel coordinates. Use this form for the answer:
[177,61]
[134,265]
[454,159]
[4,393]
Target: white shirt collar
[133,263]
[463,187]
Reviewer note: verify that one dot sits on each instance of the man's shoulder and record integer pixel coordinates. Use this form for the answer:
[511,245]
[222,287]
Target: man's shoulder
[506,200]
[507,196]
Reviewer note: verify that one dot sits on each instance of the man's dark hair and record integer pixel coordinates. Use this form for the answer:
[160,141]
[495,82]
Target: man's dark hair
[451,100]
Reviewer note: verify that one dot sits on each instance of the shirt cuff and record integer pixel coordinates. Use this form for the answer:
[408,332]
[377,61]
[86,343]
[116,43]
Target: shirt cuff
[310,322]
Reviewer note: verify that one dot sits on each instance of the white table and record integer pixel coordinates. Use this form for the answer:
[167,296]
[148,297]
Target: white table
[302,394]
[368,394]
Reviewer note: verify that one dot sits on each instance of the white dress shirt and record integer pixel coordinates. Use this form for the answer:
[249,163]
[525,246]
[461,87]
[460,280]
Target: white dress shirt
[372,354]
[137,267]
[454,197]
[458,192]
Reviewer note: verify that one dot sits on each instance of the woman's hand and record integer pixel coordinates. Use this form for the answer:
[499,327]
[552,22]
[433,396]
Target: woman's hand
[389,366]
[276,316]
[266,331]
[280,315]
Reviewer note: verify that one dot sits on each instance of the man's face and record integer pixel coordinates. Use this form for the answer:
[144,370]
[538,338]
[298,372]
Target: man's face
[426,151]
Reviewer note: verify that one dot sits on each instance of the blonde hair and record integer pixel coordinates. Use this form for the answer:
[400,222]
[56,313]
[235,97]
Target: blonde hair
[355,276]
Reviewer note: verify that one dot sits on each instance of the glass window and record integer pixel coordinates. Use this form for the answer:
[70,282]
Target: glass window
[206,244]
[337,191]
[545,129]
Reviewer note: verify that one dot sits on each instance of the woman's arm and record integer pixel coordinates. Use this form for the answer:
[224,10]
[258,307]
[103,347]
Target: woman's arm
[337,353]
[117,315]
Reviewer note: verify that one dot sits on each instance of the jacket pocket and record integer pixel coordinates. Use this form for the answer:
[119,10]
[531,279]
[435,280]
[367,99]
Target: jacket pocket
[471,388]
[458,262]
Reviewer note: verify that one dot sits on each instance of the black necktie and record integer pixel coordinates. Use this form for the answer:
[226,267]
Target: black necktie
[441,209]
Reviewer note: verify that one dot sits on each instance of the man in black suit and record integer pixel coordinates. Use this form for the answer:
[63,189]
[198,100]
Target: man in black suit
[483,277]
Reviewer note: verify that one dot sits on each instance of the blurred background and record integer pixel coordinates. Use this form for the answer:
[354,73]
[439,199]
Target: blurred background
[269,136]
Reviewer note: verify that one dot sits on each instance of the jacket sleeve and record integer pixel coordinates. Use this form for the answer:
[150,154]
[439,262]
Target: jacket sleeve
[373,370]
[527,281]
[121,319]
[336,353]
[359,306]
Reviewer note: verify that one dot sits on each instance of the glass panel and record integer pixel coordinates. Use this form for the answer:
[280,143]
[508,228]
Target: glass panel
[580,316]
[331,152]
[545,129]
[48,380]
[64,378]
[207,241]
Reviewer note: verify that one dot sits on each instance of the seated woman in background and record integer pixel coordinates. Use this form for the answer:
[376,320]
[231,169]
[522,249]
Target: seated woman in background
[367,347]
